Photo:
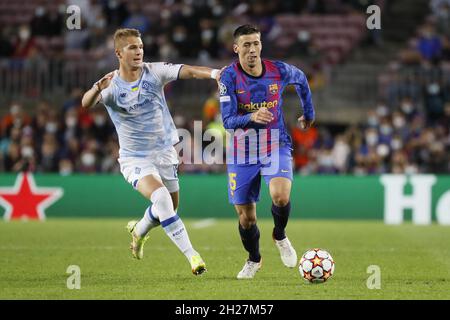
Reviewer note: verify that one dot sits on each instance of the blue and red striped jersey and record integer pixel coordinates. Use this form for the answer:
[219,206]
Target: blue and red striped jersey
[242,94]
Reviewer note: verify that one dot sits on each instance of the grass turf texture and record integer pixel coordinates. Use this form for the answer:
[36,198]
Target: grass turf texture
[34,256]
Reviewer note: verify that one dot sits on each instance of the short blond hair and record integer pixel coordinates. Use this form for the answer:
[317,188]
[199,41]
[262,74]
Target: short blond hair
[122,34]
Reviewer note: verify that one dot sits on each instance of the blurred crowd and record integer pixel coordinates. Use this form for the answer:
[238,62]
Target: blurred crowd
[200,29]
[400,140]
[407,132]
[422,70]
[54,140]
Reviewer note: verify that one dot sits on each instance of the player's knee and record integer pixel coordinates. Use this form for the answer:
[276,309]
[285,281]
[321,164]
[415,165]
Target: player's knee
[280,200]
[162,204]
[247,221]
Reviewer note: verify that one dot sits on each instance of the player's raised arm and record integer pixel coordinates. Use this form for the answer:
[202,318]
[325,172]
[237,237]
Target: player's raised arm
[92,96]
[197,72]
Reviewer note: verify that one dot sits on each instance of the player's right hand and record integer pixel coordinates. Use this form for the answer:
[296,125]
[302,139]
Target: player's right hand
[305,124]
[262,116]
[104,82]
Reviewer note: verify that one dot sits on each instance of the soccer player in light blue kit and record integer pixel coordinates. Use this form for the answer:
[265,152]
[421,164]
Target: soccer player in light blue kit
[134,98]
[251,100]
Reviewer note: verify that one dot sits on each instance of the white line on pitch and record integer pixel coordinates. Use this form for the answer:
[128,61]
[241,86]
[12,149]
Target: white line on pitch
[205,223]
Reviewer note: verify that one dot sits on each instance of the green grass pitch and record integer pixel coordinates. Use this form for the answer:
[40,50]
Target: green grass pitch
[34,256]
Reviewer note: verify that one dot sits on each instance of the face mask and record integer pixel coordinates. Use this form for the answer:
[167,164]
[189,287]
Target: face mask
[303,36]
[372,121]
[24,34]
[433,88]
[217,10]
[99,120]
[66,168]
[179,36]
[382,111]
[407,108]
[399,122]
[88,159]
[326,161]
[40,11]
[27,152]
[386,130]
[207,34]
[371,139]
[382,150]
[71,122]
[113,4]
[51,127]
[186,11]
[165,14]
[15,109]
[396,144]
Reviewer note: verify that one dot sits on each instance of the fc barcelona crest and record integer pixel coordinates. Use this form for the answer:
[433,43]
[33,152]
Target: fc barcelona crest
[273,88]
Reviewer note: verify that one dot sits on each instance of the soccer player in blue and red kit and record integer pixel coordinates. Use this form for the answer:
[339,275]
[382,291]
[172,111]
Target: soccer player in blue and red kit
[251,104]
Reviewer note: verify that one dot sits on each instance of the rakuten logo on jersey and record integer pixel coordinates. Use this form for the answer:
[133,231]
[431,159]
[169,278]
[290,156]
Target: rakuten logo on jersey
[252,107]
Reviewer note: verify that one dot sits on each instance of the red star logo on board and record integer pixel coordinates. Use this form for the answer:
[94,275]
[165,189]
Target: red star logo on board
[316,261]
[25,200]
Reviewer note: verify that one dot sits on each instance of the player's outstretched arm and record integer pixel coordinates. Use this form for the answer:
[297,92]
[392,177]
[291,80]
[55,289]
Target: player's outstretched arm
[197,72]
[92,96]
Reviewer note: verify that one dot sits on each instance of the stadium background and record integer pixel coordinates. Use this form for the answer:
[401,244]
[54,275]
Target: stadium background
[382,96]
[382,99]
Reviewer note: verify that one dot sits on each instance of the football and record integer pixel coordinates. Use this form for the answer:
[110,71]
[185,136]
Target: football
[316,266]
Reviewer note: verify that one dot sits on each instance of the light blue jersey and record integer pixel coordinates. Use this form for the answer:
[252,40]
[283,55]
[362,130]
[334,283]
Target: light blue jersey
[139,110]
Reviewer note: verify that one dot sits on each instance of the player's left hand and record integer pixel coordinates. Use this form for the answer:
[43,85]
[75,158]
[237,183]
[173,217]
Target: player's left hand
[305,124]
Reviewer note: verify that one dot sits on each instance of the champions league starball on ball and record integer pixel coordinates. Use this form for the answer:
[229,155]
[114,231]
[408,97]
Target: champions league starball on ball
[316,266]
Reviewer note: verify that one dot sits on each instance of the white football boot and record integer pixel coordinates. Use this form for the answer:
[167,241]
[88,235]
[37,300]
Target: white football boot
[287,252]
[249,270]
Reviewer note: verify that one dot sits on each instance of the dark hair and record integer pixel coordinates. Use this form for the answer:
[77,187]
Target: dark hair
[244,30]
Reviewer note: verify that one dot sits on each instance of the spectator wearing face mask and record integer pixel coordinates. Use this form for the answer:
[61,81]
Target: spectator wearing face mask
[15,118]
[24,46]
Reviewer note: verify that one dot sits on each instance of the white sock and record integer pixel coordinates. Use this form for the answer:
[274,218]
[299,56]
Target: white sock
[162,209]
[177,232]
[146,223]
